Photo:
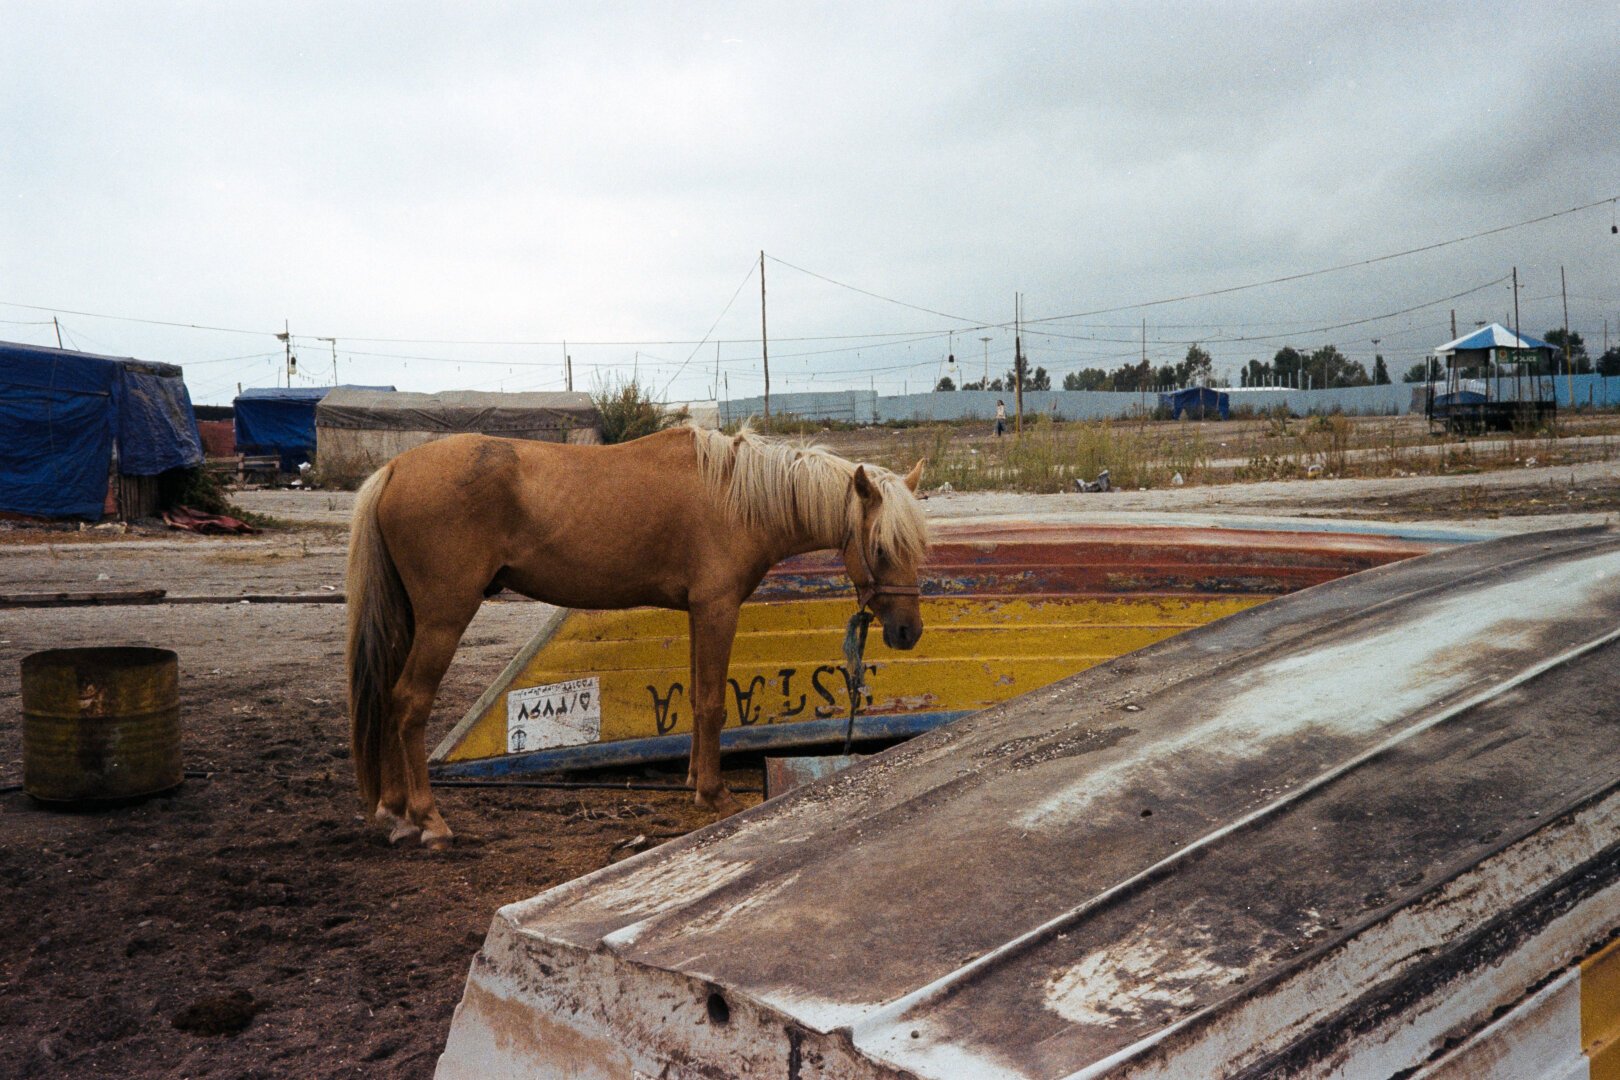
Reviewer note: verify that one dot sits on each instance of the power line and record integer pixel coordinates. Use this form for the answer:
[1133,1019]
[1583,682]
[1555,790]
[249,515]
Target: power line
[1356,322]
[746,279]
[129,318]
[1332,269]
[977,324]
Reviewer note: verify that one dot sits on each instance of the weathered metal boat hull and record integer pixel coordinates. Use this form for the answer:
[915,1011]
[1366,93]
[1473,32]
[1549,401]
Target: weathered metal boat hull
[1334,835]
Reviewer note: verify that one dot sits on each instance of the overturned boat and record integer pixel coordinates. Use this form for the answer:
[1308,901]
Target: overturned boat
[1368,829]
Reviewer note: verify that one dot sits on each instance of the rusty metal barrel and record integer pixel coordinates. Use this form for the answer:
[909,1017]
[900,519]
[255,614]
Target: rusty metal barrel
[100,723]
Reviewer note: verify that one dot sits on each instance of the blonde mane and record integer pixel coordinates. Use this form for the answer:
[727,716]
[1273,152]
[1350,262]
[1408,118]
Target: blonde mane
[804,489]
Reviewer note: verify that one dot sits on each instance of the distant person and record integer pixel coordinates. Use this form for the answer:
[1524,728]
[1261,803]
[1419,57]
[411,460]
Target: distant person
[1001,417]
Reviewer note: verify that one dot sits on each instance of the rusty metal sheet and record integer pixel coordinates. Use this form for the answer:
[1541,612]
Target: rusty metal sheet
[783,774]
[1343,826]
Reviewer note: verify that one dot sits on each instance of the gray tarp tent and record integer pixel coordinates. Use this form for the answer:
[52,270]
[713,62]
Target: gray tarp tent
[358,430]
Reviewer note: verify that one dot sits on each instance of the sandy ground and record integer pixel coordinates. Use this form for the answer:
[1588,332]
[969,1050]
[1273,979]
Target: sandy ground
[1542,497]
[250,924]
[1512,500]
[253,907]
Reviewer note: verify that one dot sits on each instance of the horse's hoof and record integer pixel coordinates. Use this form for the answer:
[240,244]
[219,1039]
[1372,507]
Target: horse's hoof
[403,832]
[723,803]
[438,841]
[399,828]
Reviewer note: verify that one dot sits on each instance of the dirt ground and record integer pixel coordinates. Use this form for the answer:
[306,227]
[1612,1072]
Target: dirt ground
[140,937]
[251,924]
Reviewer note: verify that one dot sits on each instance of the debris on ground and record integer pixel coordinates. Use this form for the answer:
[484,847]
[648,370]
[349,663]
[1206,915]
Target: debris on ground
[198,521]
[1102,483]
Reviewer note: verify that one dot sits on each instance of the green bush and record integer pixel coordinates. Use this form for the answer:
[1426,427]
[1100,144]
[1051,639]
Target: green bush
[197,488]
[629,412]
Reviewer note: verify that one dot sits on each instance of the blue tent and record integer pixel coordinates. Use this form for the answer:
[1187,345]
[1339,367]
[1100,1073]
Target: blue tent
[62,415]
[1199,401]
[1459,397]
[281,420]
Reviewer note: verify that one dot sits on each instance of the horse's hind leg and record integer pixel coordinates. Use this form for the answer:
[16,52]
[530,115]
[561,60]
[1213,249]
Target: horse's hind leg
[407,800]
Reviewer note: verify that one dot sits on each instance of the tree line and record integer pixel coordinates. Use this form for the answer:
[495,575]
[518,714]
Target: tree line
[1326,367]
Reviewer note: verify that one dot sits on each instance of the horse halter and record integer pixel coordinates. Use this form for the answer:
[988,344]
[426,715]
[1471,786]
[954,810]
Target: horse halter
[855,633]
[865,594]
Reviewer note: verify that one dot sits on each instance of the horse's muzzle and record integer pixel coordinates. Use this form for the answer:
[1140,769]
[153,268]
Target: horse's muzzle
[902,635]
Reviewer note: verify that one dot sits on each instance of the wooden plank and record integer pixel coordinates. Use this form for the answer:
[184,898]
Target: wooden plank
[81,598]
[262,598]
[116,597]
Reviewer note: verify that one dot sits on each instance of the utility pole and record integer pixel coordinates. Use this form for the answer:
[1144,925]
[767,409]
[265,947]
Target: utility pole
[1018,362]
[56,323]
[986,384]
[1516,332]
[333,340]
[1453,324]
[568,366]
[286,341]
[1142,381]
[1569,377]
[764,341]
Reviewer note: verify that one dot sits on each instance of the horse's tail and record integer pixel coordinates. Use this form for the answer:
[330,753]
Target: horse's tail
[380,631]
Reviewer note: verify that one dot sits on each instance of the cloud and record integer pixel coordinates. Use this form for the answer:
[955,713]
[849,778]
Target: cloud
[608,173]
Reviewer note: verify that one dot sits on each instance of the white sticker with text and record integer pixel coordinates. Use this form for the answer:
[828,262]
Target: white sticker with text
[556,714]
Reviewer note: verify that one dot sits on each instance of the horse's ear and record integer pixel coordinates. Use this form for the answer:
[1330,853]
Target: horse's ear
[863,484]
[914,477]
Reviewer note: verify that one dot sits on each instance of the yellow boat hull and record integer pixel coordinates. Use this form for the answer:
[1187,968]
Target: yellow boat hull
[1006,610]
[787,665]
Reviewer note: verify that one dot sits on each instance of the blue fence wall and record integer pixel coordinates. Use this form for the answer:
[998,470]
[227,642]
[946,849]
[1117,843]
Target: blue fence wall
[866,407]
[850,406]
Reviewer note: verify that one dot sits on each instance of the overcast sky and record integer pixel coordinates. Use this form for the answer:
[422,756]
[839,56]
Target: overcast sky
[427,183]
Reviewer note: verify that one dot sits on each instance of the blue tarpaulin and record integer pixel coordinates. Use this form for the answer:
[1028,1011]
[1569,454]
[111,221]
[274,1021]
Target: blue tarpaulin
[281,420]
[1199,401]
[62,413]
[1490,339]
[157,430]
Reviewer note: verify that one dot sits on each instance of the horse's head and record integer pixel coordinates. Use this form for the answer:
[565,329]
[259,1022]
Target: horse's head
[883,551]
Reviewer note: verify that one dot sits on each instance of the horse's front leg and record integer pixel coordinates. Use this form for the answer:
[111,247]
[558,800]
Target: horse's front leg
[712,626]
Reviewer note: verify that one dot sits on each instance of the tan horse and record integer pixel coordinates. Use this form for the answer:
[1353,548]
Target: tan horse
[685,519]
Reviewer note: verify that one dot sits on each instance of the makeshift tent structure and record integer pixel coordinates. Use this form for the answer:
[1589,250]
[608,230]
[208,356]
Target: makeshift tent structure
[1511,394]
[359,430]
[1196,401]
[280,420]
[64,415]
